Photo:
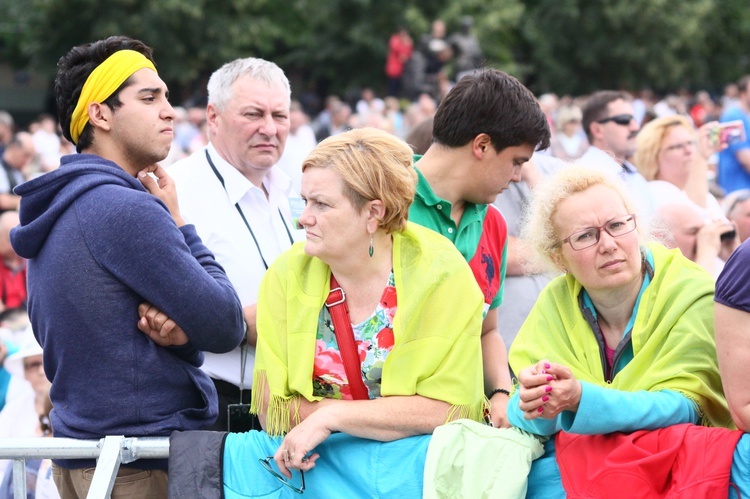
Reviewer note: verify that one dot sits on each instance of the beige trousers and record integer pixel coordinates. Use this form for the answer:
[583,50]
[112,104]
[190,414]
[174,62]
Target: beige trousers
[130,483]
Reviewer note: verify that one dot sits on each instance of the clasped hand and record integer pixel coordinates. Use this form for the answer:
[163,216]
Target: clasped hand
[546,389]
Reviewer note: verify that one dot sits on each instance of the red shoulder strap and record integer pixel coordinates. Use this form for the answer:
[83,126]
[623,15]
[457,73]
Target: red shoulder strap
[342,328]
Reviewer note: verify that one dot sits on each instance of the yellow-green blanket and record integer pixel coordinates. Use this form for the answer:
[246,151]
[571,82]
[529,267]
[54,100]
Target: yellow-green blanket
[672,338]
[437,327]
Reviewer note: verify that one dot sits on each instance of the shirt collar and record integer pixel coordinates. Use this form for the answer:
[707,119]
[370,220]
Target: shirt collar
[429,198]
[237,185]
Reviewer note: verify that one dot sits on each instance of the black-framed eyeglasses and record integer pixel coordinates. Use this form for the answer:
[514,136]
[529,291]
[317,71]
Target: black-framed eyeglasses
[266,463]
[586,238]
[620,119]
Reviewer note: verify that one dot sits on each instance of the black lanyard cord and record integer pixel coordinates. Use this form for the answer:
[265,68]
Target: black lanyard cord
[244,219]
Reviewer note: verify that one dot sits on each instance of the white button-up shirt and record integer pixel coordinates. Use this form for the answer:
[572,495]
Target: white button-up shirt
[211,208]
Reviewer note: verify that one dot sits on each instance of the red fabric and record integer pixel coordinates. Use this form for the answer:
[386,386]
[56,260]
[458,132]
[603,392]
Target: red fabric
[12,287]
[399,51]
[678,462]
[342,328]
[487,261]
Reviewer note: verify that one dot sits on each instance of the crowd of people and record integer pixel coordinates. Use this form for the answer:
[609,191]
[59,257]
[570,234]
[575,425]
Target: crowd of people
[571,271]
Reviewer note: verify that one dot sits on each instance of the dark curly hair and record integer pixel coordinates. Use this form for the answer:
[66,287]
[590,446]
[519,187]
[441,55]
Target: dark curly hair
[492,102]
[75,67]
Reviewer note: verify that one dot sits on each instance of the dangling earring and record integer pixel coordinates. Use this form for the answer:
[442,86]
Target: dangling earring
[370,251]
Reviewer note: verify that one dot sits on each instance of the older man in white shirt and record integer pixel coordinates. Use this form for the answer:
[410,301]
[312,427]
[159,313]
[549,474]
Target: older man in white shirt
[240,203]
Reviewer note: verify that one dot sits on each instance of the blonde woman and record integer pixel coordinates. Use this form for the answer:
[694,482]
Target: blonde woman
[673,157]
[623,341]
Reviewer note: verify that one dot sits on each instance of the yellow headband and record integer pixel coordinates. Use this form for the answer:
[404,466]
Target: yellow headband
[102,83]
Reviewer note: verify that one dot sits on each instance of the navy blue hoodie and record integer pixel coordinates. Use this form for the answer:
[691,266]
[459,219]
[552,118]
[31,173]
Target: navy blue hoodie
[98,245]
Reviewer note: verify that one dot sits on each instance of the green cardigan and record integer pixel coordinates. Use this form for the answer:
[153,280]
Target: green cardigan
[437,328]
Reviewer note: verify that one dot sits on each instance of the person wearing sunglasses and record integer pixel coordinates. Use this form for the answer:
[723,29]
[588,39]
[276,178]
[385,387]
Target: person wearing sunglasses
[622,341]
[611,128]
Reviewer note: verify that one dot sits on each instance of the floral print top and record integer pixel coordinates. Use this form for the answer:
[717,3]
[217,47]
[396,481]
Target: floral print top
[374,339]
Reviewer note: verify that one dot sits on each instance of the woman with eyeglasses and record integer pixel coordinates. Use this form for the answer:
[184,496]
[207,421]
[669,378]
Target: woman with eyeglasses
[410,308]
[622,341]
[673,157]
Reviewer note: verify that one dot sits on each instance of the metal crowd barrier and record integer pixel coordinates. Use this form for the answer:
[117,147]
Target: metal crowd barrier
[110,452]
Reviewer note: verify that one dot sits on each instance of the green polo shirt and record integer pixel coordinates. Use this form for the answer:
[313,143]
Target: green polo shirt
[433,212]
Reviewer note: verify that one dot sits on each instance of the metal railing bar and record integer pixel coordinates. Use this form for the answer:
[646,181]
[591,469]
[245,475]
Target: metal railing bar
[19,478]
[54,448]
[110,452]
[106,468]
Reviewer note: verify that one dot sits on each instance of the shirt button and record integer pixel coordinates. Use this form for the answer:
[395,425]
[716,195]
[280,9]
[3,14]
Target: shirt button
[450,230]
[440,207]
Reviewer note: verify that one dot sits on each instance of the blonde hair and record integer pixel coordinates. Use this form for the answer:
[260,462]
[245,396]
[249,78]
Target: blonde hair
[539,231]
[649,142]
[567,114]
[373,165]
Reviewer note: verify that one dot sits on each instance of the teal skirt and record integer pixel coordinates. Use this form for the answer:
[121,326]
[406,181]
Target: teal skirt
[347,467]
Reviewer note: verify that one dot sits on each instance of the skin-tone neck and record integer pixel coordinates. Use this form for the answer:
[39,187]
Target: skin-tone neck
[444,169]
[358,266]
[614,308]
[108,149]
[363,278]
[604,146]
[255,176]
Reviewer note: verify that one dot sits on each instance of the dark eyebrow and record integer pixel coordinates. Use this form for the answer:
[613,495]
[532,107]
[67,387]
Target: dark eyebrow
[153,90]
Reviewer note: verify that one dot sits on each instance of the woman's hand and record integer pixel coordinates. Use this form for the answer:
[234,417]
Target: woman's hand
[164,189]
[565,394]
[547,389]
[300,441]
[708,142]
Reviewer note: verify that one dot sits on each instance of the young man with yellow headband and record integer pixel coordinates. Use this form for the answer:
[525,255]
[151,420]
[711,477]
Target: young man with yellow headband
[103,236]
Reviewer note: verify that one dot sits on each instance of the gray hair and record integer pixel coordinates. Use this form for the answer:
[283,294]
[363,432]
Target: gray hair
[6,119]
[220,83]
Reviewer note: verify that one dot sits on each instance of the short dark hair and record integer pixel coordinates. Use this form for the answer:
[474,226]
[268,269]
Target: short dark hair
[597,107]
[75,67]
[492,102]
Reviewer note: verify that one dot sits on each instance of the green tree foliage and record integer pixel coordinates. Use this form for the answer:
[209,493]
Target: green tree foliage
[566,46]
[335,43]
[577,46]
